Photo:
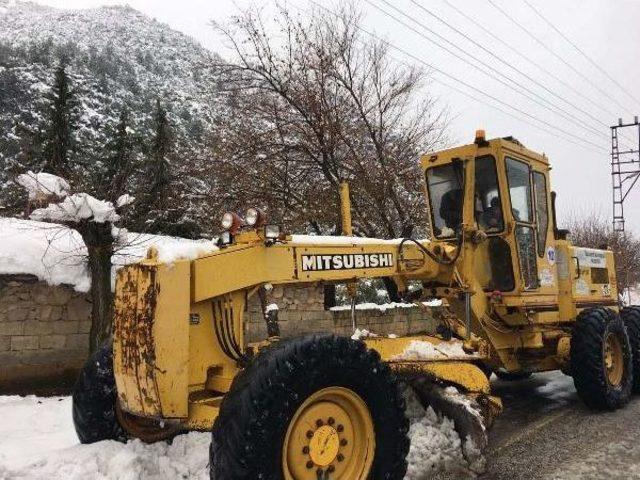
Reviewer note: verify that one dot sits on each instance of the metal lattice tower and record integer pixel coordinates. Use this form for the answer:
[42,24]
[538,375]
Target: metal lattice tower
[625,171]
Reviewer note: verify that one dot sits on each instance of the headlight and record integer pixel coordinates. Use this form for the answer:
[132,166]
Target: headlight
[271,232]
[224,239]
[232,222]
[227,220]
[254,217]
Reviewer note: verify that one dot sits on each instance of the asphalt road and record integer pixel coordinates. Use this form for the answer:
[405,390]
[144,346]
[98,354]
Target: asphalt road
[545,432]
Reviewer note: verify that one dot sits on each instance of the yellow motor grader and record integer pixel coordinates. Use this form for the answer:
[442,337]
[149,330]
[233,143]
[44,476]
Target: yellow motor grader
[521,299]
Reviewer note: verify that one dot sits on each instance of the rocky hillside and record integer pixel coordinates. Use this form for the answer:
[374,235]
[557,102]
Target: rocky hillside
[116,58]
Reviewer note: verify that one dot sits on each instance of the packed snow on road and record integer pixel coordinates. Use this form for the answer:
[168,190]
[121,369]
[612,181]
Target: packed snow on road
[37,441]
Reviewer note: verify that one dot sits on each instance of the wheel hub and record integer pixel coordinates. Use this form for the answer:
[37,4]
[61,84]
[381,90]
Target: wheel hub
[324,446]
[331,435]
[613,359]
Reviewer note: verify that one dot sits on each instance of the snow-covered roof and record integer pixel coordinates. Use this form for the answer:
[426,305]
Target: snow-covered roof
[57,255]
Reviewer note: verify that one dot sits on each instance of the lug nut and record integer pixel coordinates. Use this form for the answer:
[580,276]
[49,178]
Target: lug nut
[305,450]
[319,423]
[340,457]
[309,434]
[331,421]
[343,442]
[309,464]
[320,473]
[340,428]
[331,469]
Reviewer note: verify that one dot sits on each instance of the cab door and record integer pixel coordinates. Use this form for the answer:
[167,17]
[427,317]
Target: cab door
[519,183]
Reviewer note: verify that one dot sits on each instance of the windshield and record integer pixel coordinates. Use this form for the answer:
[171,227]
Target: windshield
[445,185]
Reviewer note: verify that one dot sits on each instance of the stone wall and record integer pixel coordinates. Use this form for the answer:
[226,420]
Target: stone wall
[44,330]
[301,310]
[44,333]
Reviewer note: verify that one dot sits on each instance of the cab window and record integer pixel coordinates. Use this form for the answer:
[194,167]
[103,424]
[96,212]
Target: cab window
[445,187]
[488,207]
[519,190]
[519,180]
[542,210]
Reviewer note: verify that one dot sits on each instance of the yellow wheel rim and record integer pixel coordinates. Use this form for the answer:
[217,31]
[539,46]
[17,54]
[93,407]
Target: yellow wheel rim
[613,359]
[331,435]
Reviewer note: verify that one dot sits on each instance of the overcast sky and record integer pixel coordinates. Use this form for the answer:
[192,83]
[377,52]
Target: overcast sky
[606,30]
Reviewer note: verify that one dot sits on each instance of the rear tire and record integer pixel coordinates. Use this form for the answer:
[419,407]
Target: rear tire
[601,359]
[256,427]
[631,317]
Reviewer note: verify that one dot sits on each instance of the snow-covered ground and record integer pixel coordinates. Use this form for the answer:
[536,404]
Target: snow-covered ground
[37,441]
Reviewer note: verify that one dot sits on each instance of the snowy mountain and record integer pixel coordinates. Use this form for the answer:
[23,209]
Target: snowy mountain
[116,58]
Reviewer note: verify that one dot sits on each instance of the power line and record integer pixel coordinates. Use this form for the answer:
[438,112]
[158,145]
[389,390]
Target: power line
[581,52]
[544,45]
[524,74]
[530,61]
[462,82]
[482,69]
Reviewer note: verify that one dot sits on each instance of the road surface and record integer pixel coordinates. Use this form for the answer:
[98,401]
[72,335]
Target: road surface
[545,432]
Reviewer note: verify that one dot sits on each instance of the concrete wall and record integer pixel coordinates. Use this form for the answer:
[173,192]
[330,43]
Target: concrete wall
[44,333]
[44,330]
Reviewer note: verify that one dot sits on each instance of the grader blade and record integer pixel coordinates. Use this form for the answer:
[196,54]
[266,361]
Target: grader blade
[465,411]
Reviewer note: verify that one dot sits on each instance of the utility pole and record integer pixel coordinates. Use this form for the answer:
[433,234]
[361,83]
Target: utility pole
[625,171]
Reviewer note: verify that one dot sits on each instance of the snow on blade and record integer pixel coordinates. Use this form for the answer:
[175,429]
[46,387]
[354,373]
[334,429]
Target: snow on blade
[43,185]
[421,350]
[77,207]
[435,446]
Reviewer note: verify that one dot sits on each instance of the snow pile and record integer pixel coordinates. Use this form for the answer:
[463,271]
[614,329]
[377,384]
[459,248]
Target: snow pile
[374,306]
[42,185]
[383,307]
[57,255]
[422,350]
[77,207]
[53,253]
[124,200]
[38,442]
[436,447]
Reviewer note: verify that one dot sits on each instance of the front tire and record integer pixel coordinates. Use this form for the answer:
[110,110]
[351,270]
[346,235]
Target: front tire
[631,317]
[601,359]
[303,393]
[96,412]
[94,400]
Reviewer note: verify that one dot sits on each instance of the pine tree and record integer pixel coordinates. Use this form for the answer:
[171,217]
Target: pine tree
[118,162]
[160,168]
[60,125]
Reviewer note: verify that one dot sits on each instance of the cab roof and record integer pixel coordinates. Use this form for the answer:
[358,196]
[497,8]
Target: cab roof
[506,145]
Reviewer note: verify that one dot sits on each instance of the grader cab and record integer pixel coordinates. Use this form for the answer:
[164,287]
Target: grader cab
[521,299]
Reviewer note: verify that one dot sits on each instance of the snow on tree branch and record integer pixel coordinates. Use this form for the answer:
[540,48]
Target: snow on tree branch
[41,186]
[78,207]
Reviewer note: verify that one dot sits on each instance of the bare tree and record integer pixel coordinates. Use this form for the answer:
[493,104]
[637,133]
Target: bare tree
[315,102]
[595,231]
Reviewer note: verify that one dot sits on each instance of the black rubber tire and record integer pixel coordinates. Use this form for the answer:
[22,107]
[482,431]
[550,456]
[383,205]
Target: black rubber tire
[248,435]
[94,400]
[631,317]
[512,376]
[587,359]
